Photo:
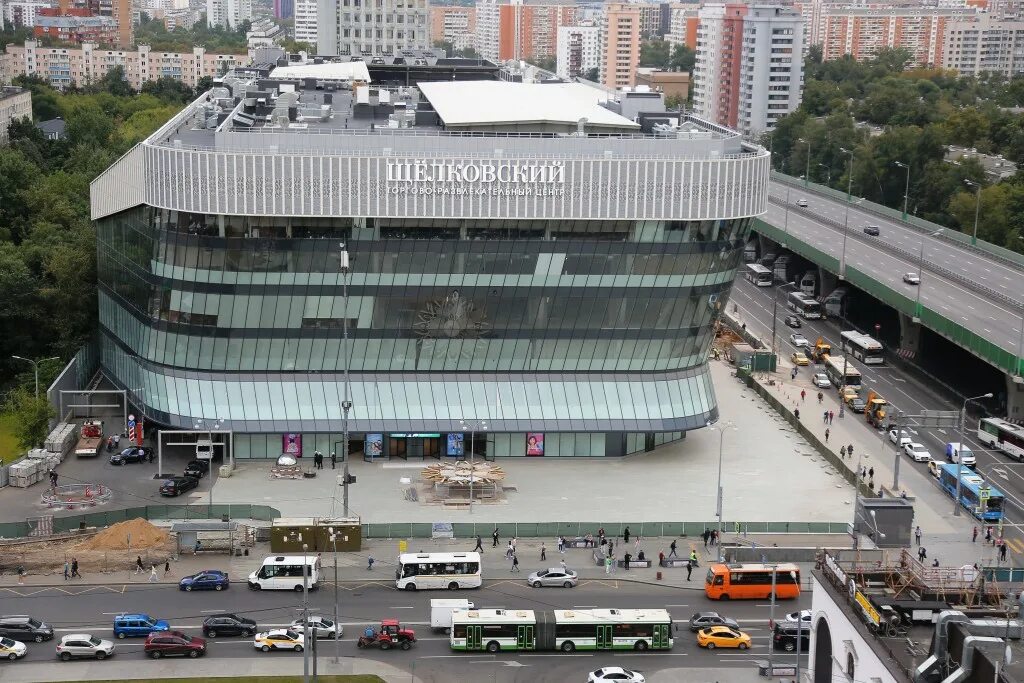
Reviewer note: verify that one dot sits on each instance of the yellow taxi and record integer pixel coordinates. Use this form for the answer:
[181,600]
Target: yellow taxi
[278,639]
[799,358]
[935,468]
[722,636]
[848,393]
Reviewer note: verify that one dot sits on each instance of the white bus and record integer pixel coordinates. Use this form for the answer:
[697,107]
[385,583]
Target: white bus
[284,573]
[1003,436]
[841,372]
[418,571]
[863,347]
[804,305]
[758,274]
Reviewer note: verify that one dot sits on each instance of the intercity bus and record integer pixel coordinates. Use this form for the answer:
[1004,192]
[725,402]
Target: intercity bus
[1003,436]
[752,581]
[973,489]
[417,571]
[804,305]
[758,274]
[841,372]
[863,347]
[496,630]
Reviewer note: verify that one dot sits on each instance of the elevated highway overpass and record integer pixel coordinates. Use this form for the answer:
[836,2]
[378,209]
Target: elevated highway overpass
[972,295]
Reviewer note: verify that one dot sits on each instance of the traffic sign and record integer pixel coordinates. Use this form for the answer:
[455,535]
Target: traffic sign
[983,493]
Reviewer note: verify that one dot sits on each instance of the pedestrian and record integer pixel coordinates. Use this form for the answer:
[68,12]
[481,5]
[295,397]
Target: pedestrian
[334,459]
[672,549]
[917,535]
[1002,550]
[515,542]
[842,452]
[803,395]
[796,414]
[67,570]
[707,536]
[479,544]
[821,396]
[625,534]
[636,544]
[974,535]
[922,554]
[561,544]
[608,565]
[369,563]
[824,418]
[198,546]
[693,557]
[849,450]
[543,552]
[611,546]
[689,570]
[167,568]
[792,374]
[74,568]
[152,574]
[138,564]
[661,559]
[626,559]
[565,568]
[863,473]
[871,473]
[988,534]
[826,435]
[935,562]
[515,563]
[600,533]
[831,416]
[494,535]
[508,551]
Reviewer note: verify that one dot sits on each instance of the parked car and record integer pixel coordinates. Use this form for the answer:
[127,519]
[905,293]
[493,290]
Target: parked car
[912,278]
[175,486]
[821,380]
[12,649]
[722,636]
[197,468]
[872,230]
[553,577]
[798,340]
[24,628]
[322,628]
[278,639]
[84,646]
[799,358]
[902,440]
[228,625]
[209,579]
[857,404]
[615,673]
[133,454]
[916,451]
[935,468]
[705,619]
[171,643]
[792,321]
[137,625]
[785,636]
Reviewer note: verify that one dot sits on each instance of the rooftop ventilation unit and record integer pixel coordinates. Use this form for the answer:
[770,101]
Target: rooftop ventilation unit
[243,120]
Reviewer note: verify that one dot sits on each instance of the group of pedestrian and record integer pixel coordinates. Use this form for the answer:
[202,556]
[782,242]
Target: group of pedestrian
[318,460]
[71,569]
[828,416]
[113,442]
[709,536]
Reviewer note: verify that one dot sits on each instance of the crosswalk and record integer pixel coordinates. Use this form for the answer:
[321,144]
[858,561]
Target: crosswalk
[1015,545]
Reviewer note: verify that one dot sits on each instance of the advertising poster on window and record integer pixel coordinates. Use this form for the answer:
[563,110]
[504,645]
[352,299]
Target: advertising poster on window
[456,444]
[535,443]
[374,445]
[292,444]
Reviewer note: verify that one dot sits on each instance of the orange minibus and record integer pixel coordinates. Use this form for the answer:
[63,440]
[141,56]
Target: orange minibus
[752,581]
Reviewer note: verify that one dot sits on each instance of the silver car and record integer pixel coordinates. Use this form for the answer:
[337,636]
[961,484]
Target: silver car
[553,577]
[84,646]
[821,380]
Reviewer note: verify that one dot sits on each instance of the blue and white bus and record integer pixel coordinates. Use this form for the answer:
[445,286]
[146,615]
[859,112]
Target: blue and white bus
[972,489]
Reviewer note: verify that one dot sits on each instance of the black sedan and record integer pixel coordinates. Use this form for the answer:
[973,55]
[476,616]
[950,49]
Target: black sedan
[175,486]
[133,454]
[228,625]
[705,619]
[197,468]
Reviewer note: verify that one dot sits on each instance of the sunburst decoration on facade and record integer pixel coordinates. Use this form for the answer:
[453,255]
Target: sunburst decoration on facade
[453,317]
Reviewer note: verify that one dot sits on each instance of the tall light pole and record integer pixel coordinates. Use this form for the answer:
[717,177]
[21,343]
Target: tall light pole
[920,272]
[35,367]
[721,443]
[771,622]
[472,426]
[828,175]
[849,182]
[906,189]
[807,172]
[337,640]
[977,206]
[785,225]
[799,629]
[959,458]
[346,404]
[305,615]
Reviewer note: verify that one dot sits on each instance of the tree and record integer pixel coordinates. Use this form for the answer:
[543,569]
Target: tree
[683,59]
[655,53]
[544,63]
[114,82]
[31,416]
[169,90]
[593,74]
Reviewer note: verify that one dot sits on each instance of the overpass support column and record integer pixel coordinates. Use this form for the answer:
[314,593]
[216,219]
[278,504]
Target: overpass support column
[826,282]
[1014,398]
[910,334]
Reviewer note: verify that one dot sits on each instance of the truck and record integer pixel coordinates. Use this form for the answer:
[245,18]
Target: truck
[835,303]
[90,439]
[876,409]
[441,612]
[821,350]
[959,453]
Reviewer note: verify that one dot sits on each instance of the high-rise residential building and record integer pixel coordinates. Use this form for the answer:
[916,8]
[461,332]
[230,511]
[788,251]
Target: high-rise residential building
[306,22]
[620,45]
[453,24]
[579,50]
[121,11]
[749,65]
[521,29]
[985,44]
[23,13]
[351,28]
[683,25]
[15,104]
[228,13]
[284,9]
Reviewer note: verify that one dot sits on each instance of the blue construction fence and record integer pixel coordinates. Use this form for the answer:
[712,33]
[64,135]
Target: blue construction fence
[578,529]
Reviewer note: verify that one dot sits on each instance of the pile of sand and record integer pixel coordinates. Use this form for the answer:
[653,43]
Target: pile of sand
[134,534]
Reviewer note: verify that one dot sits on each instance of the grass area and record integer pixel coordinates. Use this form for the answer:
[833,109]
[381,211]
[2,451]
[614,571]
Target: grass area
[8,442]
[355,678]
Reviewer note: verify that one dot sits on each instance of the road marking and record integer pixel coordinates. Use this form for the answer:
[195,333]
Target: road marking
[211,611]
[651,654]
[561,654]
[676,605]
[444,657]
[584,606]
[400,607]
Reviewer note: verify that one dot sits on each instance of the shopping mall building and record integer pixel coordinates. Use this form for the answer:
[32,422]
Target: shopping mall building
[520,254]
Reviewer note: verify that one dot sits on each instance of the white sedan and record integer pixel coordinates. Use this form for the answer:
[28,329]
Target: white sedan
[803,616]
[615,673]
[912,278]
[324,628]
[278,639]
[821,380]
[799,341]
[903,439]
[916,451]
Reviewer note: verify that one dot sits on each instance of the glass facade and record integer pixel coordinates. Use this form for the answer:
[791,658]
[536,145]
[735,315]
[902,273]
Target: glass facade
[594,330]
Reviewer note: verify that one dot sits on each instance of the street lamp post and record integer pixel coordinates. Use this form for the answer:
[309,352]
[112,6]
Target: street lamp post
[920,272]
[721,443]
[472,426]
[849,181]
[807,172]
[35,367]
[305,615]
[337,640]
[960,446]
[906,190]
[977,207]
[828,174]
[799,630]
[346,404]
[771,623]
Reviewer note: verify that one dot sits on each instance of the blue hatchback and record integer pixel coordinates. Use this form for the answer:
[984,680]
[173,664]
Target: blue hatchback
[209,579]
[126,625]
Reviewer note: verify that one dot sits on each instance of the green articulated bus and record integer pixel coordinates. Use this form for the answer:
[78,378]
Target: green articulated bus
[496,630]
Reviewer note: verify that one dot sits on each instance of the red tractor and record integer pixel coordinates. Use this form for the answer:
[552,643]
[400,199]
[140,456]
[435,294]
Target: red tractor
[391,634]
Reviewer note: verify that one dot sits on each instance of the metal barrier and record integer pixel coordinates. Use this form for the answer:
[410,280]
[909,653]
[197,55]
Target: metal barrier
[507,530]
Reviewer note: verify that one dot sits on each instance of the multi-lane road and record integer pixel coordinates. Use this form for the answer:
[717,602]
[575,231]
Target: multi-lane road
[80,608]
[948,273]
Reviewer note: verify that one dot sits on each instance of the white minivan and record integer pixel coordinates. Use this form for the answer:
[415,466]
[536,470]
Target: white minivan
[958,453]
[284,573]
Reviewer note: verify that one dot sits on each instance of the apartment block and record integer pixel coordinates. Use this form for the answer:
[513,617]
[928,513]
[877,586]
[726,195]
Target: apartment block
[76,29]
[23,13]
[15,104]
[863,31]
[749,67]
[121,11]
[620,45]
[453,24]
[64,67]
[521,29]
[387,27]
[228,13]
[284,9]
[306,21]
[984,44]
[683,22]
[579,50]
